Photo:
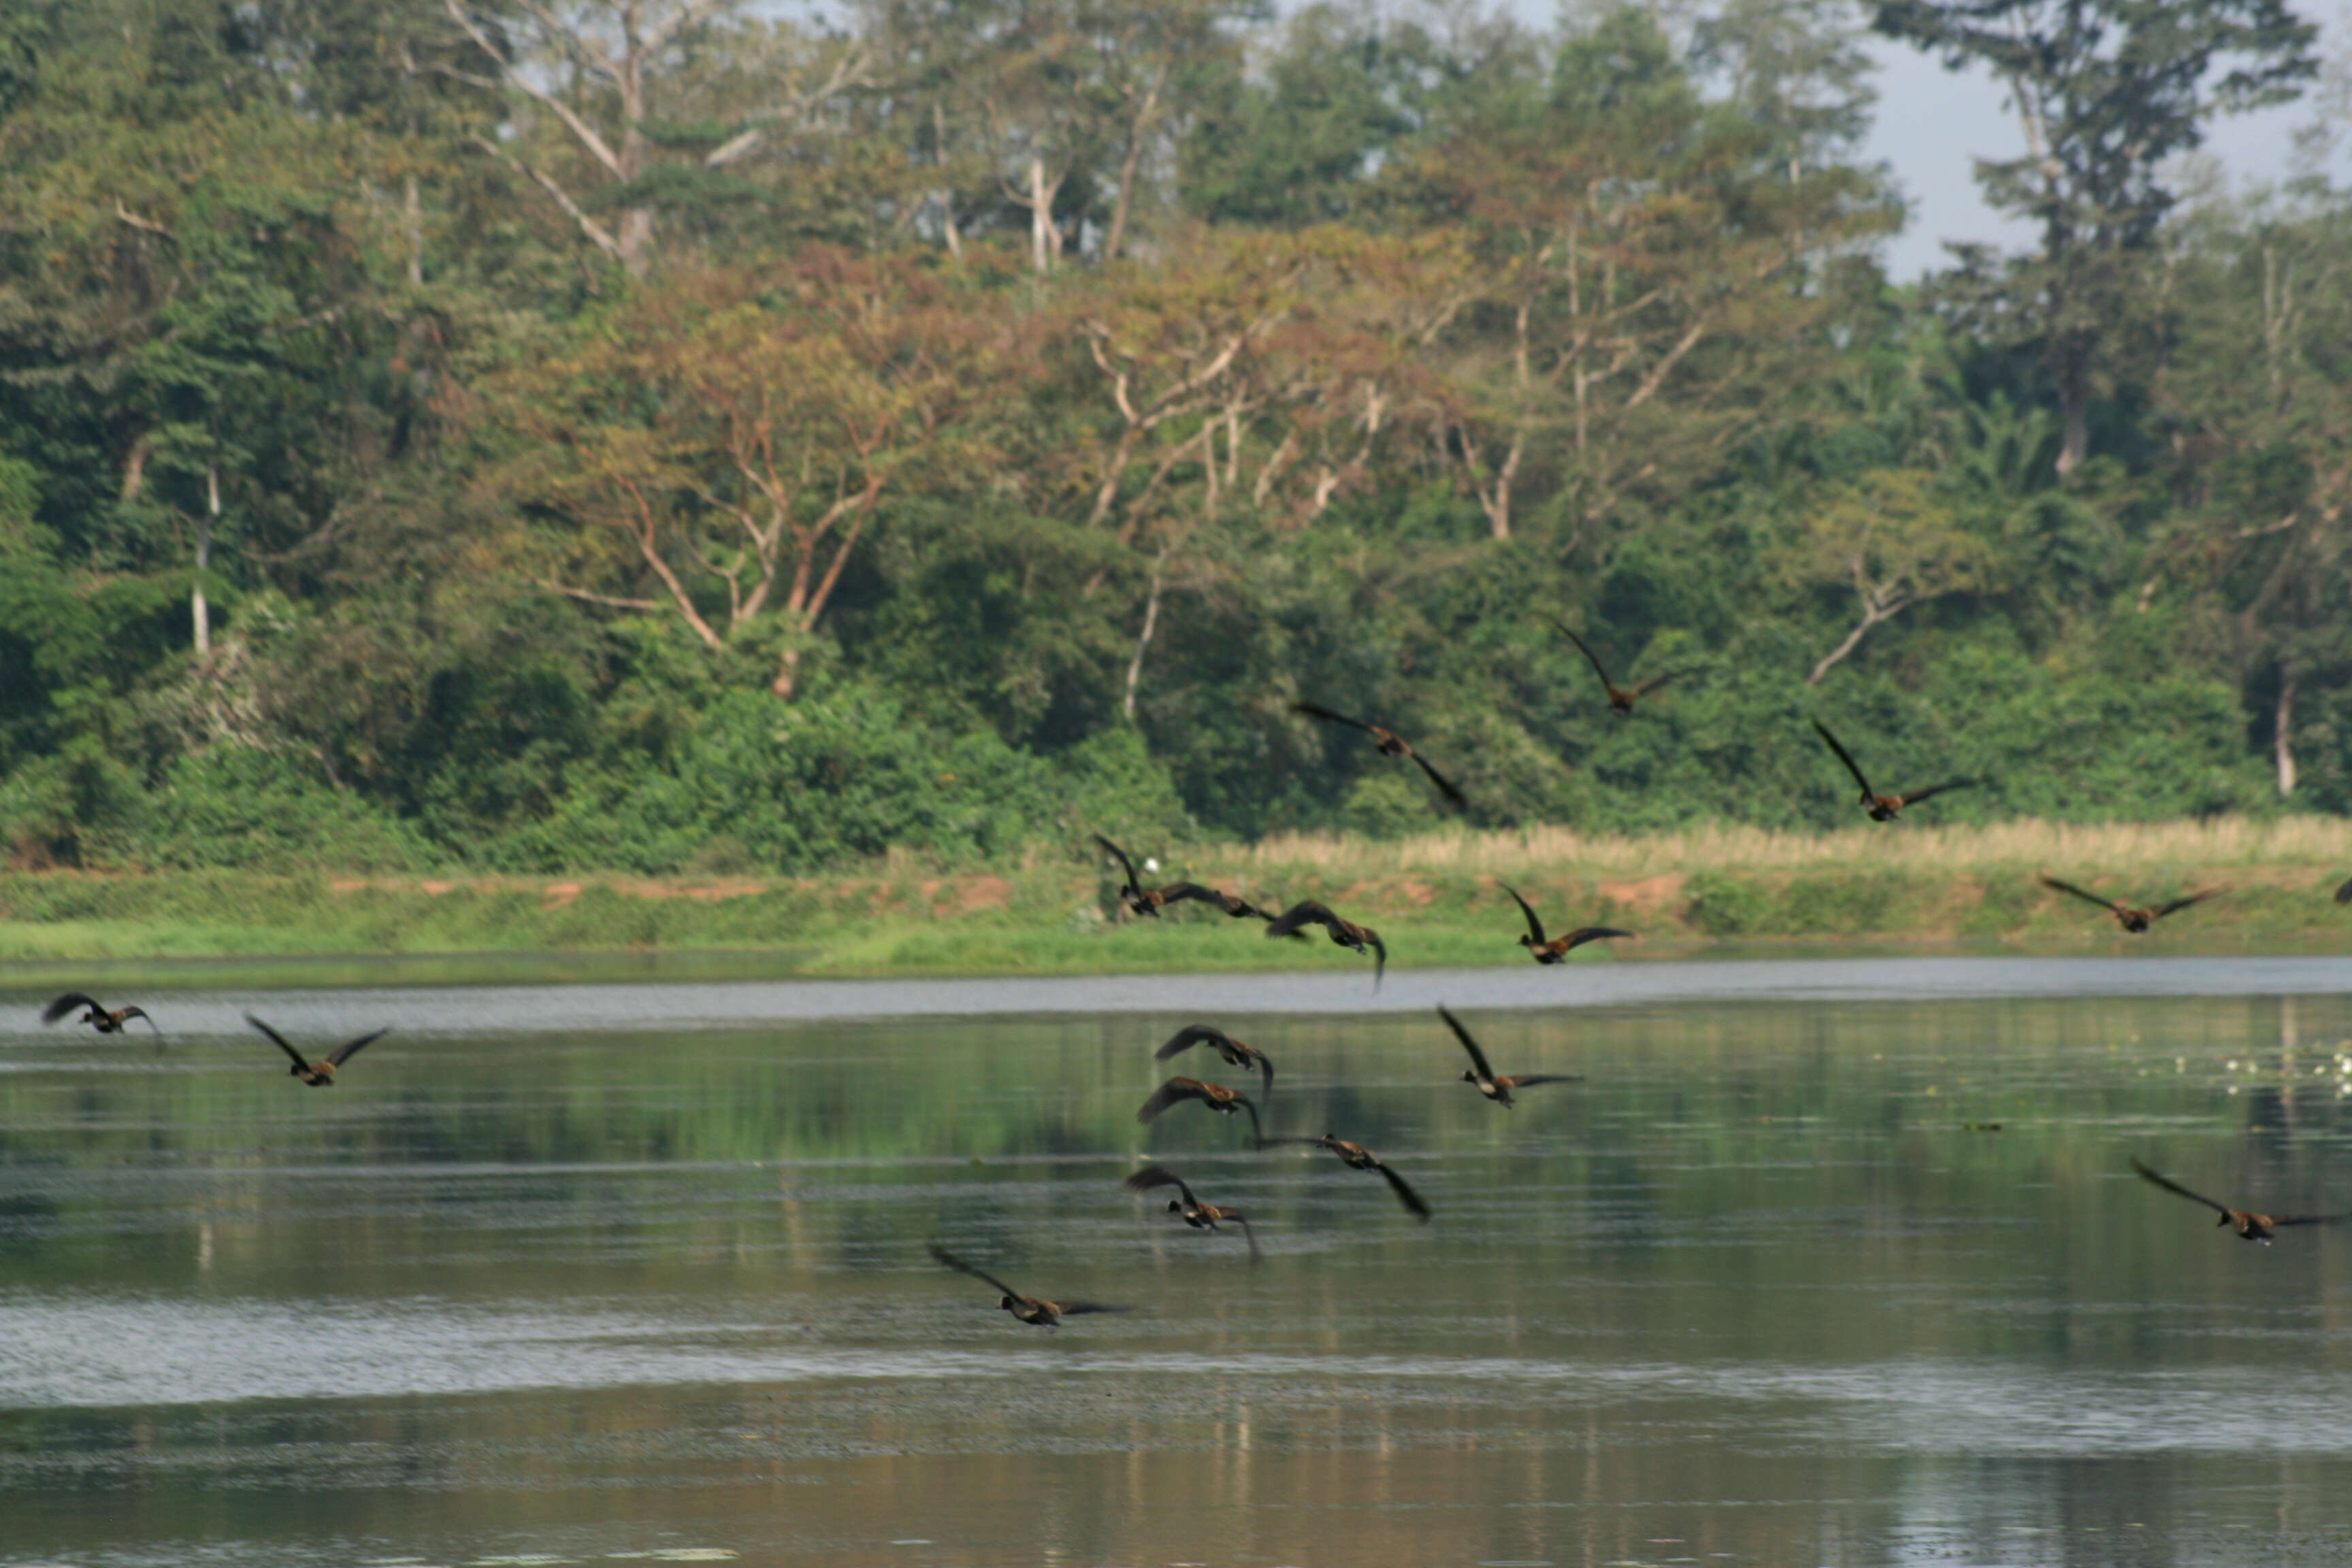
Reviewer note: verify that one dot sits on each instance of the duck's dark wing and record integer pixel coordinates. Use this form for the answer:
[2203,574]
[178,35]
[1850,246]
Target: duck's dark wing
[282,1046]
[1185,1039]
[2054,883]
[1403,1189]
[1528,1080]
[1655,681]
[1250,1236]
[1913,797]
[346,1052]
[2307,1218]
[2170,1185]
[1314,711]
[1477,1057]
[1446,785]
[1593,659]
[1264,1072]
[1177,892]
[1081,1308]
[1153,1176]
[1843,756]
[1125,866]
[1380,954]
[1535,926]
[1174,1092]
[1583,934]
[1305,913]
[2161,910]
[1257,1132]
[942,1254]
[131,1013]
[71,1000]
[2344,893]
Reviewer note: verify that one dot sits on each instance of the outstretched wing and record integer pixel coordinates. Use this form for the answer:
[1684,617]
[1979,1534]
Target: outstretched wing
[1592,657]
[1380,954]
[2163,910]
[1477,1057]
[1583,934]
[2053,882]
[1314,712]
[1175,1091]
[131,1013]
[282,1046]
[1845,756]
[1655,681]
[1081,1308]
[1446,785]
[1152,1176]
[1250,1236]
[1305,913]
[1529,1080]
[1403,1189]
[1914,796]
[1125,865]
[2170,1185]
[942,1254]
[2344,893]
[1185,1039]
[345,1053]
[1535,926]
[1257,1129]
[1177,892]
[1266,1072]
[73,999]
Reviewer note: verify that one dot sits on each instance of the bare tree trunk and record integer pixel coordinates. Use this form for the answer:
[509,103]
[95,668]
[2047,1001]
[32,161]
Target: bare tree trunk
[413,223]
[198,611]
[2283,730]
[1137,129]
[1143,640]
[1041,234]
[1872,613]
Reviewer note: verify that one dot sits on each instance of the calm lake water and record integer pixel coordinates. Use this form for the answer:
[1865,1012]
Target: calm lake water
[603,1272]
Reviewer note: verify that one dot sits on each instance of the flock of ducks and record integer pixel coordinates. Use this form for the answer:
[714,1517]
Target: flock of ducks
[1500,1089]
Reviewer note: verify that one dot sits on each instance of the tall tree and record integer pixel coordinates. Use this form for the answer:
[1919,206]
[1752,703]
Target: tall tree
[2105,92]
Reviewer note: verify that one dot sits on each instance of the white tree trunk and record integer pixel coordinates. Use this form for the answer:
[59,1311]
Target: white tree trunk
[1041,218]
[2282,743]
[198,611]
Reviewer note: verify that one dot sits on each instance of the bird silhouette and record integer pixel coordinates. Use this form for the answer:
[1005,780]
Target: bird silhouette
[1344,932]
[1620,698]
[320,1074]
[1391,745]
[1150,902]
[1236,1053]
[1215,1096]
[1356,1157]
[1497,1090]
[1031,1310]
[1198,1215]
[2246,1223]
[2344,893]
[2134,921]
[97,1016]
[1554,950]
[1885,807]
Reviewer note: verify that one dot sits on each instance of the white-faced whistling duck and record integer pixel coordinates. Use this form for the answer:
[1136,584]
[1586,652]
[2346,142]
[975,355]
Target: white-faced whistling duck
[320,1074]
[1391,745]
[1143,901]
[2250,1225]
[1620,698]
[1497,1090]
[104,1021]
[1345,933]
[1555,949]
[1236,1053]
[1215,1096]
[1885,807]
[2132,919]
[1356,1157]
[1198,1215]
[1030,1309]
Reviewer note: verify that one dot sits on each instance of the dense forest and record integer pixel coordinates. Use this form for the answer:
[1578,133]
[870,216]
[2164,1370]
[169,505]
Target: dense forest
[679,436]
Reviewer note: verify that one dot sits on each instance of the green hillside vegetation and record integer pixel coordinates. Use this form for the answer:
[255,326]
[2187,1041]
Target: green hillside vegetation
[510,443]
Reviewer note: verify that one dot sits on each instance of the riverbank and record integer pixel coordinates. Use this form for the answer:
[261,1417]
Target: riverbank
[1437,899]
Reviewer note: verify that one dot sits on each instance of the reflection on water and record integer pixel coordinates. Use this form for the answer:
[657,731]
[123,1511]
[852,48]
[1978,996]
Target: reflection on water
[1749,1294]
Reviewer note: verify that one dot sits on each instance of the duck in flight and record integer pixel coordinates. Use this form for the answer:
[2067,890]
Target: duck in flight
[2344,893]
[1620,698]
[1885,807]
[1215,1096]
[1293,921]
[1356,1157]
[1553,950]
[1236,1053]
[2250,1225]
[1198,1215]
[1143,901]
[320,1074]
[1497,1090]
[104,1020]
[2132,919]
[1391,745]
[1031,1310]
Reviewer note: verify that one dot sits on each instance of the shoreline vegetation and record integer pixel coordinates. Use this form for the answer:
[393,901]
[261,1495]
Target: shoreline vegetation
[1437,898]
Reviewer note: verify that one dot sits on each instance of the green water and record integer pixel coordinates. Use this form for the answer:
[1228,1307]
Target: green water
[1748,1294]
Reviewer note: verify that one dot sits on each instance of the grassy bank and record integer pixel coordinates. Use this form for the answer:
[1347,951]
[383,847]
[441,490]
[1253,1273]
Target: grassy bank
[1436,899]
